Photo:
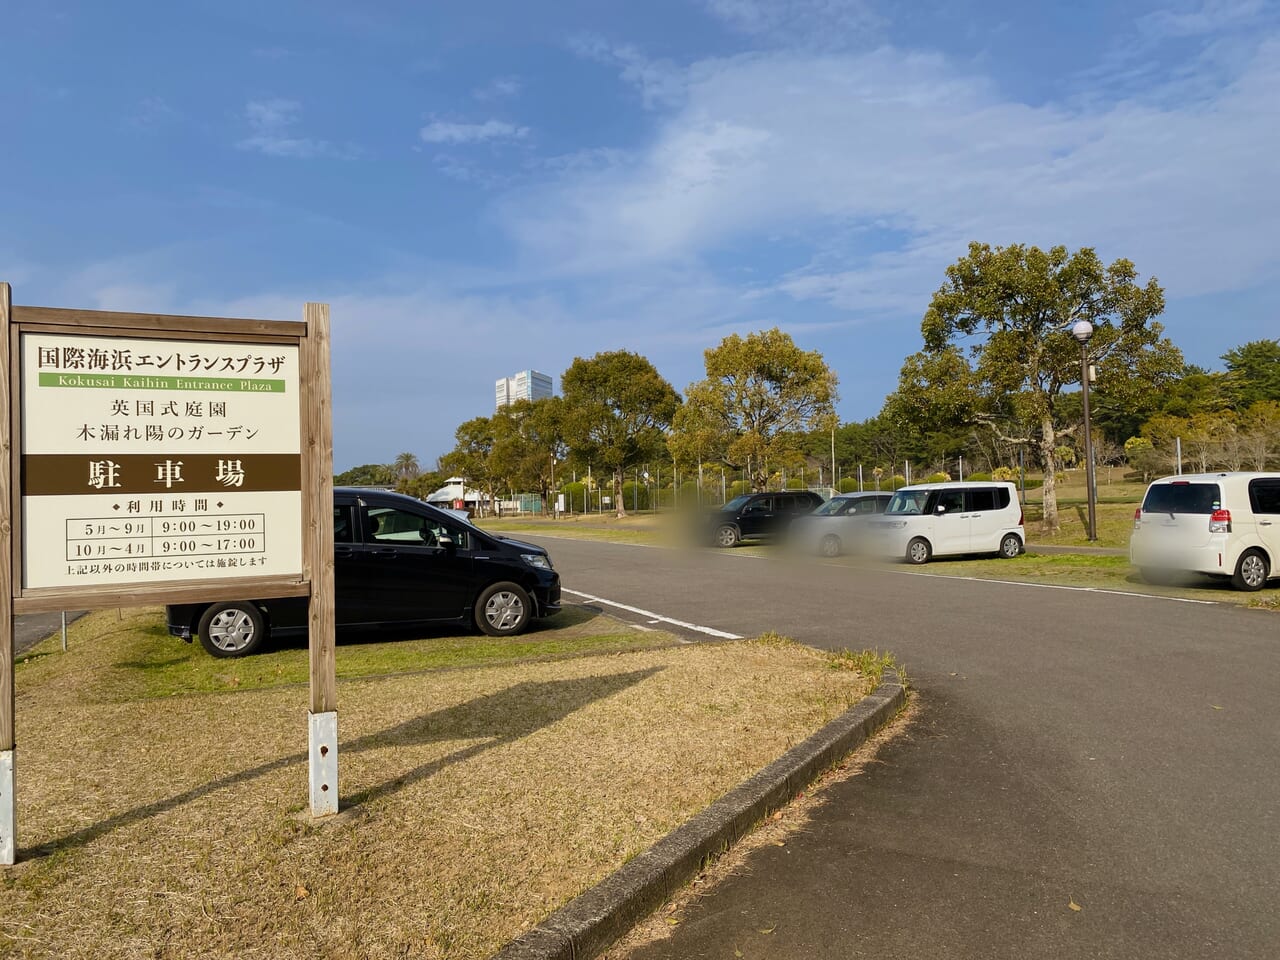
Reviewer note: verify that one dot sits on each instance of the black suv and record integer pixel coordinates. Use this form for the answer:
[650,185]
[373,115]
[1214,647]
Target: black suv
[759,516]
[397,562]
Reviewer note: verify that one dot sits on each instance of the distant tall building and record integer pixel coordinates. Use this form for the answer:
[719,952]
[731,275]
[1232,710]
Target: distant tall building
[525,385]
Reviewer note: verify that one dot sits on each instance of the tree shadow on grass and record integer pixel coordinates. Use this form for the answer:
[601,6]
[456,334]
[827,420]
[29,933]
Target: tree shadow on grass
[496,718]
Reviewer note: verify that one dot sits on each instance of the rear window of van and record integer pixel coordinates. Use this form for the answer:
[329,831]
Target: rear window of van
[1183,498]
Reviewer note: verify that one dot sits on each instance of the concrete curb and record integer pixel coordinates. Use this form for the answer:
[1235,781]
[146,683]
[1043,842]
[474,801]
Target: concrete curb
[592,921]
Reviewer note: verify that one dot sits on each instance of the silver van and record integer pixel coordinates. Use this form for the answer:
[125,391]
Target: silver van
[1220,524]
[944,519]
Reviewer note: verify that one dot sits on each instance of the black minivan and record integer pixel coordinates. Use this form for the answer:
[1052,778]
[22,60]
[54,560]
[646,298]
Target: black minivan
[397,562]
[759,516]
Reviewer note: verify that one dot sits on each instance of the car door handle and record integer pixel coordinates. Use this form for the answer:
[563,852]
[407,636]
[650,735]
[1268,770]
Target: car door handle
[344,553]
[1264,523]
[384,552]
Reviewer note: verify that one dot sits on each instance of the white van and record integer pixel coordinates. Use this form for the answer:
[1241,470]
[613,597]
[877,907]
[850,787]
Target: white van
[944,519]
[1220,524]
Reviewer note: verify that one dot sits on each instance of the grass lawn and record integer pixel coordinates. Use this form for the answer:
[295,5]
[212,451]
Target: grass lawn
[606,527]
[161,793]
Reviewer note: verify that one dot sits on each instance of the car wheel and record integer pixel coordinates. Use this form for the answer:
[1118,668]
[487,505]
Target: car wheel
[830,546]
[232,629]
[919,551]
[727,536]
[503,610]
[1252,571]
[1010,546]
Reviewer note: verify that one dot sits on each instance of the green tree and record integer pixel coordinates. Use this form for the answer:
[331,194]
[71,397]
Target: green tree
[366,475]
[1253,372]
[1143,457]
[473,457]
[528,443]
[1022,302]
[616,411]
[760,395]
[1260,433]
[406,466]
[423,485]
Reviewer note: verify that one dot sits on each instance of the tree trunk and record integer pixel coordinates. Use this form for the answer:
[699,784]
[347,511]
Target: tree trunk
[617,494]
[1050,489]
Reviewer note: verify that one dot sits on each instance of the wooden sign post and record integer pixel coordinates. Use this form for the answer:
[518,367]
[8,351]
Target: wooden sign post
[154,459]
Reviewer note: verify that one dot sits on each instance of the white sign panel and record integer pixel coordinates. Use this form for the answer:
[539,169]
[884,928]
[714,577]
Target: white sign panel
[154,461]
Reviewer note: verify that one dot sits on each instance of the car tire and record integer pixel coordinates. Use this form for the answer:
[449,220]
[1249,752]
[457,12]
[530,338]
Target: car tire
[1010,546]
[830,546]
[727,535]
[503,609]
[232,629]
[919,551]
[1252,571]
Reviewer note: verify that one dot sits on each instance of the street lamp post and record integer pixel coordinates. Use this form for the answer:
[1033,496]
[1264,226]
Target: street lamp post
[1082,330]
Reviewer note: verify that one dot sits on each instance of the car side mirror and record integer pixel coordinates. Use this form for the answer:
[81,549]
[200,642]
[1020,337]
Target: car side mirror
[939,509]
[446,541]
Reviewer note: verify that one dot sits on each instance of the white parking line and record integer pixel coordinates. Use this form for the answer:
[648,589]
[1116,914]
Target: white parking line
[1058,586]
[656,617]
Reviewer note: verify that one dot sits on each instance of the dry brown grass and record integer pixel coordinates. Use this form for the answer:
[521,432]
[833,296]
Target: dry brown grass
[475,801]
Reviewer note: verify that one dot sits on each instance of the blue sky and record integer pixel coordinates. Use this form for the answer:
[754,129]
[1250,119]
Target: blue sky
[479,188]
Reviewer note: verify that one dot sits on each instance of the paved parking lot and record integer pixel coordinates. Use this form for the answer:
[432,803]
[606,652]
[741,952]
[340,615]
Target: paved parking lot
[1116,753]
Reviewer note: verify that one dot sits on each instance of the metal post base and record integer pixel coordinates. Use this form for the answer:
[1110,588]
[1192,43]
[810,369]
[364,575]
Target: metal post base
[323,763]
[8,811]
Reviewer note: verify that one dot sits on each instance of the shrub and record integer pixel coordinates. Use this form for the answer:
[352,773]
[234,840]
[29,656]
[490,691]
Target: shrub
[1004,473]
[898,481]
[635,496]
[575,497]
[848,485]
[939,477]
[980,475]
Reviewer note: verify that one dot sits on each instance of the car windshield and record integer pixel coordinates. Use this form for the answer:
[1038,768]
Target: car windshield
[908,501]
[833,507]
[1178,497]
[736,504]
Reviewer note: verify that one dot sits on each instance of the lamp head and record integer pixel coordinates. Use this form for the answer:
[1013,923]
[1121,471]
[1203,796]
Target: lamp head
[1082,330]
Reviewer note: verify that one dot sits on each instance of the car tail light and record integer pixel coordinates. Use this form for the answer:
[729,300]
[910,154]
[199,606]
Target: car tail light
[1220,521]
[1022,516]
[1137,518]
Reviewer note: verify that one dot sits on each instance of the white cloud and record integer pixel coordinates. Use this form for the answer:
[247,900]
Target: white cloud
[272,122]
[499,88]
[1208,16]
[818,149]
[660,82]
[272,114]
[441,131]
[822,23]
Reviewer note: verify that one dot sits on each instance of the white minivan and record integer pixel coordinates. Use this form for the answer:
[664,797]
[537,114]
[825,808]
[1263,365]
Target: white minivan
[1220,524]
[944,519]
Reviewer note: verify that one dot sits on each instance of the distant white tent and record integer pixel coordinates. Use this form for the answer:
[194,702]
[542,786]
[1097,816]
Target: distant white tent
[455,493]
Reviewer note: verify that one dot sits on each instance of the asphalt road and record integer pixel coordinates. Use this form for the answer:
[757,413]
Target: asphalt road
[30,629]
[1116,753]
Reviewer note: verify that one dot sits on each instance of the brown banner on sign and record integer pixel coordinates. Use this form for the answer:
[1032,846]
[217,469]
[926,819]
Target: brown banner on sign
[47,475]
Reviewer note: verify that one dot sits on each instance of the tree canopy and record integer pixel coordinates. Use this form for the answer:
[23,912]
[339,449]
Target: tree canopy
[617,410]
[760,395]
[1019,304]
[1253,372]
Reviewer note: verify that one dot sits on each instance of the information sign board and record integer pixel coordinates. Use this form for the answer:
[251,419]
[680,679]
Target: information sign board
[156,461]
